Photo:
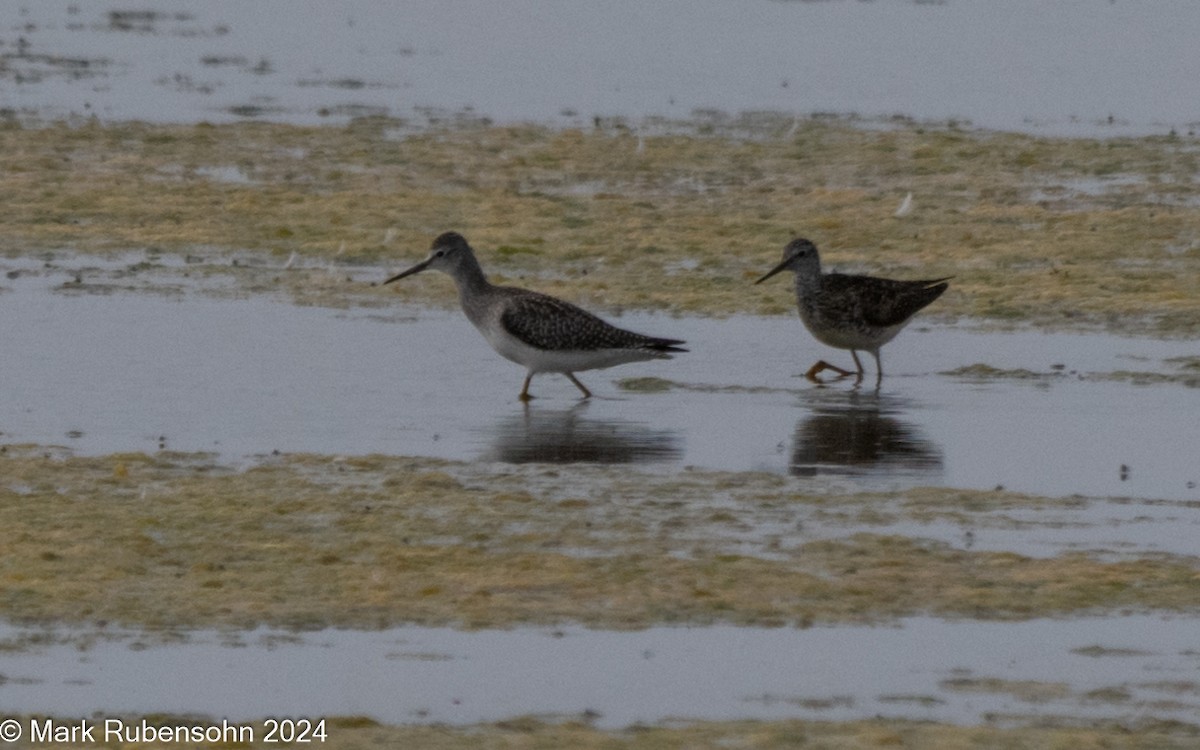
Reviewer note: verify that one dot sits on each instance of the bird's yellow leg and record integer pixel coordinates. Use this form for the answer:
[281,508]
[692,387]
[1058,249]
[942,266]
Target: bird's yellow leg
[820,367]
[580,386]
[861,370]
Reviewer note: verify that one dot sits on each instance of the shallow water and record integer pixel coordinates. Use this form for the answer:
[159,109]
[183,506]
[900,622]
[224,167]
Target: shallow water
[101,368]
[1123,668]
[1077,67]
[103,371]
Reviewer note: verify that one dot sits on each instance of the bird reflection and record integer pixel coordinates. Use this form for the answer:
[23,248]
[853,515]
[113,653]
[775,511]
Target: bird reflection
[538,435]
[858,433]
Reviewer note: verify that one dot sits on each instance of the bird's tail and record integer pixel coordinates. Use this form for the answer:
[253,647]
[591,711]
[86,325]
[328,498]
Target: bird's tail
[666,346]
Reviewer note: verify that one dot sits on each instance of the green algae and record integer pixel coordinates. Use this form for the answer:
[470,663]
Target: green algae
[982,371]
[1184,376]
[645,385]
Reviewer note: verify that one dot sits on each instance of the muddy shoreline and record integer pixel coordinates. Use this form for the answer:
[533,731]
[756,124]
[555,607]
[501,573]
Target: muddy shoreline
[1069,233]
[367,542]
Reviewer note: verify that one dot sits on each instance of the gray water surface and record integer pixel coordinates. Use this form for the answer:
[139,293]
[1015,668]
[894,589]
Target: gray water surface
[1131,668]
[105,371]
[1077,67]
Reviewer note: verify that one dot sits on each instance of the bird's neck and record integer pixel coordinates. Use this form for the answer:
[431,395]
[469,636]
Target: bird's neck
[469,278]
[808,284]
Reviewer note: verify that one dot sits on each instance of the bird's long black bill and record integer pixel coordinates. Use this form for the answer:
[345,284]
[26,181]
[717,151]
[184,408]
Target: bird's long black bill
[774,271]
[415,269]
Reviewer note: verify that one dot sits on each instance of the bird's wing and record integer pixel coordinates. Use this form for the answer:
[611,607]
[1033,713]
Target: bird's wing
[882,302]
[546,322]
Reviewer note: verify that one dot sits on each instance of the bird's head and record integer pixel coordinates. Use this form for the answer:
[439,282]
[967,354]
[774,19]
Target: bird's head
[799,255]
[445,254]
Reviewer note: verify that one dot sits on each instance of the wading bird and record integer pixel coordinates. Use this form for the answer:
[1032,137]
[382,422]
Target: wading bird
[543,333]
[851,312]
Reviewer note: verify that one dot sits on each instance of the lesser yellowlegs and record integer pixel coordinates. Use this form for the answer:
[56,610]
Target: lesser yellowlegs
[543,333]
[851,312]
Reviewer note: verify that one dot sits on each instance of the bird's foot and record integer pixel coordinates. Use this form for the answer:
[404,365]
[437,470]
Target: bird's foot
[822,365]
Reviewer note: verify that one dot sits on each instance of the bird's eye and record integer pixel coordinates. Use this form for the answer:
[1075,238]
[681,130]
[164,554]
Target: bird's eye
[440,253]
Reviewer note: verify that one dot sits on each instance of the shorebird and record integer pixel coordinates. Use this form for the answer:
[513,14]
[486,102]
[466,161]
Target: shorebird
[851,312]
[543,333]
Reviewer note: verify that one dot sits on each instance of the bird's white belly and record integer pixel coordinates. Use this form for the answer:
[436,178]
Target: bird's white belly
[567,360]
[842,337]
